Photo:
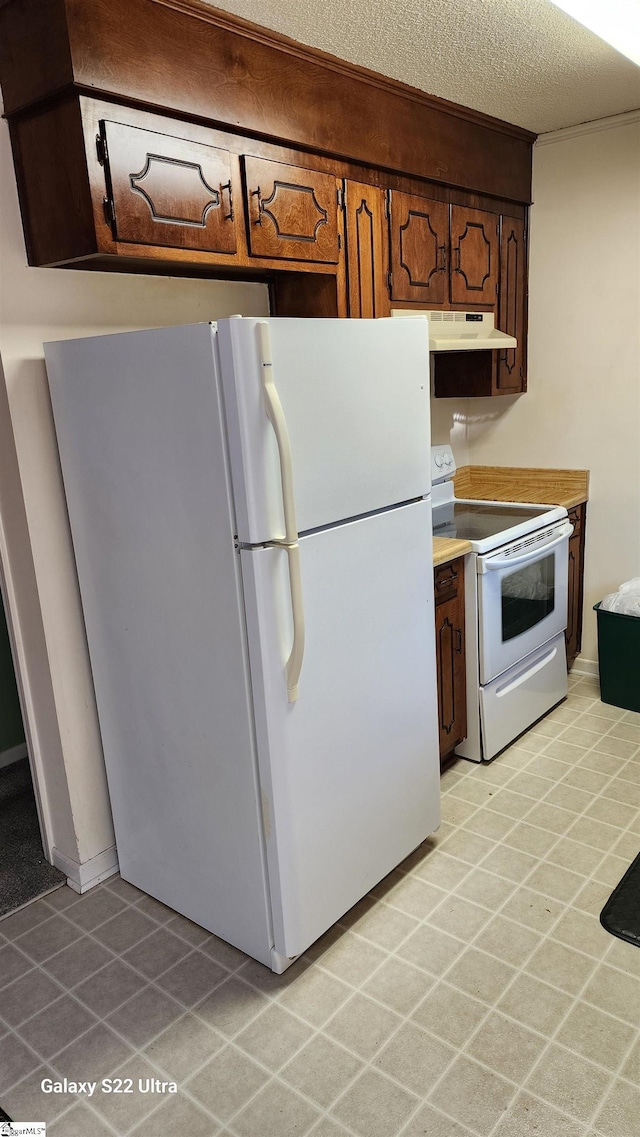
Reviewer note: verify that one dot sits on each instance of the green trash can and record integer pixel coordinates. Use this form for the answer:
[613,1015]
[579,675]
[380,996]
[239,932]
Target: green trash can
[619,658]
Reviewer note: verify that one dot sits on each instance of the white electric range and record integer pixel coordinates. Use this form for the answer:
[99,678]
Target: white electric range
[515,608]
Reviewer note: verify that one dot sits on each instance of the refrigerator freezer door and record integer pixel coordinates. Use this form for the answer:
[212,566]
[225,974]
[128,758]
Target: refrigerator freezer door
[355,398]
[349,773]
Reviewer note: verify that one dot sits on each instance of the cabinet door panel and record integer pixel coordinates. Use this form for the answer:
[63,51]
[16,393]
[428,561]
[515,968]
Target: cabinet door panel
[419,248]
[169,191]
[293,212]
[573,633]
[450,655]
[366,264]
[512,308]
[474,256]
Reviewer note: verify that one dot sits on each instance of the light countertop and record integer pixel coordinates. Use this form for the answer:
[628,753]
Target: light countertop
[448,548]
[514,483]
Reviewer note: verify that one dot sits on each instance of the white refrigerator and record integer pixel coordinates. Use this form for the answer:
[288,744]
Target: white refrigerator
[251,518]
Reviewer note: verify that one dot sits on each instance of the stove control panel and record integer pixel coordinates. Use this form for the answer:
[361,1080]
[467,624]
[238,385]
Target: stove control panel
[443,464]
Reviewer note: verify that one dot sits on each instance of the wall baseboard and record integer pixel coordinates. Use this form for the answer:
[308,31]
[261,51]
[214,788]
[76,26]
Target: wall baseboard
[82,877]
[585,667]
[14,754]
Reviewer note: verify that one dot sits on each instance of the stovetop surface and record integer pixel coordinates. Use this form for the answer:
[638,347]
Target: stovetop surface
[472,521]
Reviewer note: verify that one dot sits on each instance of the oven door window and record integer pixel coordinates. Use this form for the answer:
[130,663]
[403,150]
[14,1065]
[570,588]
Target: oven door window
[528,597]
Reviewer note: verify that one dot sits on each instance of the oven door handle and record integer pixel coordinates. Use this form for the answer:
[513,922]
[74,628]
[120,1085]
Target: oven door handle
[526,558]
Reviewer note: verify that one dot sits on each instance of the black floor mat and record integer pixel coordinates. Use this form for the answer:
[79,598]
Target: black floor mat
[621,913]
[24,871]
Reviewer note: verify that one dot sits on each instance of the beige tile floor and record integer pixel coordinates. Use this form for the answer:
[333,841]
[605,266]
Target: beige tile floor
[474,992]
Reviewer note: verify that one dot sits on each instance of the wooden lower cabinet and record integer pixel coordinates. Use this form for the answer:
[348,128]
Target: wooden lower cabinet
[448,580]
[573,634]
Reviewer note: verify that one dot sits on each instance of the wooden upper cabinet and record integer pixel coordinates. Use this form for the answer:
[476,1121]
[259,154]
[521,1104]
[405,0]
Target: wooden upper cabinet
[475,257]
[512,309]
[419,240]
[292,212]
[366,250]
[168,191]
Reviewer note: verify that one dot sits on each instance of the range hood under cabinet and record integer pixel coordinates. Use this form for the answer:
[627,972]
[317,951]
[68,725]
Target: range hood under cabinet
[461,331]
[470,356]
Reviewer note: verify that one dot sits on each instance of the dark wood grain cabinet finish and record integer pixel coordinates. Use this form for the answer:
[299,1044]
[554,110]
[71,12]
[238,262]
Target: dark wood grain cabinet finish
[475,257]
[168,191]
[444,255]
[205,65]
[419,249]
[486,373]
[450,656]
[365,229]
[292,212]
[512,309]
[575,598]
[167,136]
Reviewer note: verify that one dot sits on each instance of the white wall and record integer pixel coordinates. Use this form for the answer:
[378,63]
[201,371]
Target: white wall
[35,548]
[582,409]
[449,424]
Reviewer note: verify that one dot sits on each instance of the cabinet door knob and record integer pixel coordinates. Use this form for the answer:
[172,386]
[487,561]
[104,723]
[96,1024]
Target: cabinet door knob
[456,255]
[442,258]
[458,639]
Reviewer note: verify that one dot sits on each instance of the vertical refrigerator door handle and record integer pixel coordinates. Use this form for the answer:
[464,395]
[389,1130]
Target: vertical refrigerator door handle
[275,414]
[294,662]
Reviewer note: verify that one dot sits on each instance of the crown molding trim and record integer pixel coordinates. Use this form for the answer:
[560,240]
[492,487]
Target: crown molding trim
[588,128]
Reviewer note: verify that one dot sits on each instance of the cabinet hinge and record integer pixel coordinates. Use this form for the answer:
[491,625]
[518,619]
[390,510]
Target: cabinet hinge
[389,281]
[340,193]
[339,240]
[387,204]
[101,148]
[109,211]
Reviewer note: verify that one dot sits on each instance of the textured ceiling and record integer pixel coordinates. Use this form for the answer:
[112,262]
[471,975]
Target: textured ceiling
[524,61]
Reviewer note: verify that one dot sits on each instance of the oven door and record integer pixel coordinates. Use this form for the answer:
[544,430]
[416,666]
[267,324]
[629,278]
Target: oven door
[522,598]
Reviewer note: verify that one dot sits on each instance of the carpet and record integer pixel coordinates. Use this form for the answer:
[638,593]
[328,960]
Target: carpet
[621,913]
[24,871]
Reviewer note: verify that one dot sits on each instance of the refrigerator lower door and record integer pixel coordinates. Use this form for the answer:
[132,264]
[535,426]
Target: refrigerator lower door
[350,771]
